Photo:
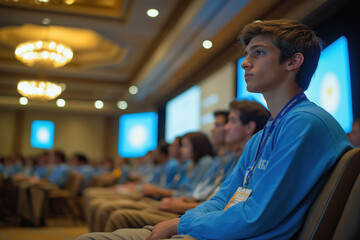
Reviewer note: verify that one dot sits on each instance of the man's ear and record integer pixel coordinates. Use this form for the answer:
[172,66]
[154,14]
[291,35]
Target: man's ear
[295,62]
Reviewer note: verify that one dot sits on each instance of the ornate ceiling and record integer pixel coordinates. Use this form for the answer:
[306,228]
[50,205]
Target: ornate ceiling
[116,45]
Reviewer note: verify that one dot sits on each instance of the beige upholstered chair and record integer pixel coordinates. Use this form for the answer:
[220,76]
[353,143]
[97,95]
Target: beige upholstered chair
[67,198]
[330,215]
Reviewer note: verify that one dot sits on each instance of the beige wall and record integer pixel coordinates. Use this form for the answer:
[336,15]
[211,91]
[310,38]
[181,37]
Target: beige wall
[217,91]
[7,132]
[93,135]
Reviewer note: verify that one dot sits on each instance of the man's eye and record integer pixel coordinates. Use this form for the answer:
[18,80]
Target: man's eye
[258,53]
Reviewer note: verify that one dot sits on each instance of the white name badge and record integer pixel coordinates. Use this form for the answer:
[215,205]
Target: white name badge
[241,195]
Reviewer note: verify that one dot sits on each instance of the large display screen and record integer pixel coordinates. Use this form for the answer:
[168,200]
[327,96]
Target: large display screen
[137,134]
[183,114]
[42,134]
[330,87]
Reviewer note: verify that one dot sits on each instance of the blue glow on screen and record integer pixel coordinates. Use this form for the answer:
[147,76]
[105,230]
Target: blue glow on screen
[42,134]
[137,134]
[242,93]
[183,114]
[330,87]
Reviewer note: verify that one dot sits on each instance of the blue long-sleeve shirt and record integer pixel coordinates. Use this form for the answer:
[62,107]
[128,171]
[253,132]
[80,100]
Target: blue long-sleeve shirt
[301,150]
[60,175]
[188,186]
[87,171]
[170,168]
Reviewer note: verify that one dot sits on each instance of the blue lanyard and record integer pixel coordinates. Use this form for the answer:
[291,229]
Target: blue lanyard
[260,149]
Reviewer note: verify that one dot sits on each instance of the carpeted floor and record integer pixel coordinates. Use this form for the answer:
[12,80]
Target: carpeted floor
[54,231]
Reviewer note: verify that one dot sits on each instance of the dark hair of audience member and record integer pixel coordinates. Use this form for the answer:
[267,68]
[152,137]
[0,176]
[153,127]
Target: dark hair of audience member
[222,113]
[251,111]
[81,158]
[201,145]
[60,155]
[163,147]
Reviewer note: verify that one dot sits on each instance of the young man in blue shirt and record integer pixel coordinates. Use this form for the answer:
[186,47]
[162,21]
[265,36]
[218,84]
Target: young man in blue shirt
[283,166]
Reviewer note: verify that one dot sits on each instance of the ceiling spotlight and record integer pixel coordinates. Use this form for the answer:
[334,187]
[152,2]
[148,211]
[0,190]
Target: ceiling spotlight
[133,90]
[99,104]
[207,44]
[152,13]
[46,21]
[60,102]
[122,105]
[63,86]
[23,101]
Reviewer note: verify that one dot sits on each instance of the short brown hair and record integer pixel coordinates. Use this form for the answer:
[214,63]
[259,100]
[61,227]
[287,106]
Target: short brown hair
[290,37]
[201,145]
[251,111]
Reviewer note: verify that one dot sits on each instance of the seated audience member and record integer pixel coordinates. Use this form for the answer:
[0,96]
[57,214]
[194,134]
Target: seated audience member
[354,135]
[121,170]
[32,193]
[163,175]
[195,146]
[144,169]
[41,165]
[60,174]
[217,137]
[27,170]
[81,165]
[283,167]
[230,137]
[11,166]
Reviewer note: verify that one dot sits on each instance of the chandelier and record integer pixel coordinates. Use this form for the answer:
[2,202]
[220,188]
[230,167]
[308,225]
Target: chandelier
[43,54]
[39,90]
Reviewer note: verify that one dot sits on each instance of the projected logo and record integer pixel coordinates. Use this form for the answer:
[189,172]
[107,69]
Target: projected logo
[329,92]
[42,134]
[137,134]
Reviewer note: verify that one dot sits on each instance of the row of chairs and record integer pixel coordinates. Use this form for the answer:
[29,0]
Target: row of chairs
[335,213]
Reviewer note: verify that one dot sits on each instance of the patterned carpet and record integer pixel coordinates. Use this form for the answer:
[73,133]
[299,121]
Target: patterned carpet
[54,231]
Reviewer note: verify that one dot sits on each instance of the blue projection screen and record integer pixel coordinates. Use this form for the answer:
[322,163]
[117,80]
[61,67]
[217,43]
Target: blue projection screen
[330,87]
[137,134]
[183,114]
[42,134]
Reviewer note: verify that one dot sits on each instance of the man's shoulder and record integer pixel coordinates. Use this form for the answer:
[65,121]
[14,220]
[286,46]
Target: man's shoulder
[310,113]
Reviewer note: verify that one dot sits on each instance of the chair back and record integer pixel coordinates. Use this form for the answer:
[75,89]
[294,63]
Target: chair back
[324,214]
[74,183]
[349,224]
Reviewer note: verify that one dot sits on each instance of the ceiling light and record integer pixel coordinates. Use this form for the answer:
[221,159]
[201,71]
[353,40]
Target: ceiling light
[43,54]
[207,44]
[99,104]
[60,102]
[40,90]
[46,21]
[63,86]
[69,2]
[133,90]
[122,105]
[23,101]
[152,12]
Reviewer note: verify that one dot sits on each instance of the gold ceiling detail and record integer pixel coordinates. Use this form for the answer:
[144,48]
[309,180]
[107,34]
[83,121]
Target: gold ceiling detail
[115,9]
[90,48]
